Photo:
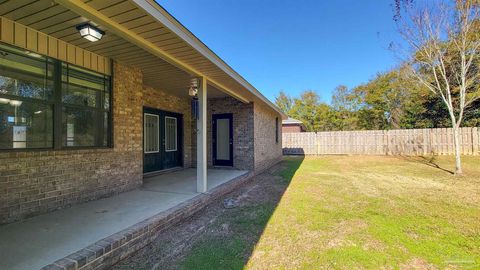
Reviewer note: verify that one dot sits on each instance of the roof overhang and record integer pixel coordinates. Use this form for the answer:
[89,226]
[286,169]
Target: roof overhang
[174,25]
[199,60]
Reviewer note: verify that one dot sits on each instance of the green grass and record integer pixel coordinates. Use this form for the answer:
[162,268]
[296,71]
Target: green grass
[352,212]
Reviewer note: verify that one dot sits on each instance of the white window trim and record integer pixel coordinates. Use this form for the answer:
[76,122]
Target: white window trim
[145,134]
[176,135]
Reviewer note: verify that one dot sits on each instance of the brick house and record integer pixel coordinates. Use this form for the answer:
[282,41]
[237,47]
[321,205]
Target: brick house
[291,125]
[97,96]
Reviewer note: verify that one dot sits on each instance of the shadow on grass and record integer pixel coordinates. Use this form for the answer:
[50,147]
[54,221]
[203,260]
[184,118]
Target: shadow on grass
[230,240]
[426,160]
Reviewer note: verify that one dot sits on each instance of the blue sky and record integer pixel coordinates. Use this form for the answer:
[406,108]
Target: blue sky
[294,45]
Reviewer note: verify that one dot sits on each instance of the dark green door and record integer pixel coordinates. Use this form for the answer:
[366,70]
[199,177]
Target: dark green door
[162,140]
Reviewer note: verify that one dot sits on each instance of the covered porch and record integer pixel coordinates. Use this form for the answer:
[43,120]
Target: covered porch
[67,234]
[151,63]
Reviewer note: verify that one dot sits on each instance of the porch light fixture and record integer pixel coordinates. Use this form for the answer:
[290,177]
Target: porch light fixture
[16,103]
[193,90]
[90,32]
[32,54]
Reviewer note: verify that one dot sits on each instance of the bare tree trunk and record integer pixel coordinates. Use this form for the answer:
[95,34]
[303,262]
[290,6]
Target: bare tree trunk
[456,139]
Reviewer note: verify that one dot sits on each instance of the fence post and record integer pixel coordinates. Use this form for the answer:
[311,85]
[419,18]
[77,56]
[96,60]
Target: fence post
[475,141]
[389,152]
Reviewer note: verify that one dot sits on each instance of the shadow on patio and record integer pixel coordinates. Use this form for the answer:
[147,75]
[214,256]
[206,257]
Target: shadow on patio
[219,237]
[41,240]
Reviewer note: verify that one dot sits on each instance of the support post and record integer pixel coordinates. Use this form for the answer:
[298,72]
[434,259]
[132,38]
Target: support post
[202,137]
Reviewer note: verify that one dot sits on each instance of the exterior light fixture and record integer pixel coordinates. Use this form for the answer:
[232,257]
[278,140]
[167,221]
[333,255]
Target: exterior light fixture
[32,54]
[90,32]
[192,91]
[16,103]
[4,100]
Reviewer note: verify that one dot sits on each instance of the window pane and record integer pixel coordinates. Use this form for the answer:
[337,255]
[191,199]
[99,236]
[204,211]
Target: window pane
[106,101]
[25,74]
[25,125]
[85,88]
[84,127]
[170,134]
[86,123]
[151,139]
[223,139]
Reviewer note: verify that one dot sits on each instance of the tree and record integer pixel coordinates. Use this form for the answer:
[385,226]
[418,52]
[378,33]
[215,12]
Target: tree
[305,110]
[382,101]
[345,109]
[444,43]
[284,102]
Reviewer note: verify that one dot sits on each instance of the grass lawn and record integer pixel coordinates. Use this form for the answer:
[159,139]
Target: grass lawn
[343,212]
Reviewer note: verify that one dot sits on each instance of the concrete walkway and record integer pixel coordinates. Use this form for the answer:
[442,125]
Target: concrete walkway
[41,240]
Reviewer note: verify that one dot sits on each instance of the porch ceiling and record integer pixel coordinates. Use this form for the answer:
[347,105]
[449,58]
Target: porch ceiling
[56,20]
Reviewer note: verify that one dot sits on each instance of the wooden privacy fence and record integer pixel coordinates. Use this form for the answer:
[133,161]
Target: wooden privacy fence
[438,141]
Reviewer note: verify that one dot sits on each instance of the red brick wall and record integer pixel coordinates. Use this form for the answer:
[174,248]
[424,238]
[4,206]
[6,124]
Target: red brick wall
[291,128]
[267,150]
[35,182]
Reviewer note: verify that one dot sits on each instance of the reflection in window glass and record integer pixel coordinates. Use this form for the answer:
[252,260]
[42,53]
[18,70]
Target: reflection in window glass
[150,133]
[170,134]
[83,127]
[85,98]
[25,74]
[25,125]
[82,87]
[33,88]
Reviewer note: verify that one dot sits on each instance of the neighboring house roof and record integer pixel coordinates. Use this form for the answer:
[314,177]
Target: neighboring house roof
[291,121]
[294,122]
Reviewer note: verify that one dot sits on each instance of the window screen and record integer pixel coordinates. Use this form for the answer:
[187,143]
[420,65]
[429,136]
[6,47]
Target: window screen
[170,134]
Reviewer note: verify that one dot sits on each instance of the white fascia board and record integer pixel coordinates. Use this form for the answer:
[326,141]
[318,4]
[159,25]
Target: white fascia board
[176,27]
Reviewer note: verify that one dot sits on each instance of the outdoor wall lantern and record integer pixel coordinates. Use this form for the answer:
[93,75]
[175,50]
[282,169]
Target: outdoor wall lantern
[90,32]
[192,92]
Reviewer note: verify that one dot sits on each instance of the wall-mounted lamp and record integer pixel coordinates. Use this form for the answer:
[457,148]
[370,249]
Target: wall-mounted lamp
[90,32]
[193,90]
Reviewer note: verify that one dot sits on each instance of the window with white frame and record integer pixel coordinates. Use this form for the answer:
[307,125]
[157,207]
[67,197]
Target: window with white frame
[170,134]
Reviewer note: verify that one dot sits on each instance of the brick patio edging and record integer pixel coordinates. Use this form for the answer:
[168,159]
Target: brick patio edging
[118,246]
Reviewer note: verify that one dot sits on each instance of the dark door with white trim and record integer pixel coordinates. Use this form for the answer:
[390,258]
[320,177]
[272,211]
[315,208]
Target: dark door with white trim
[162,140]
[222,139]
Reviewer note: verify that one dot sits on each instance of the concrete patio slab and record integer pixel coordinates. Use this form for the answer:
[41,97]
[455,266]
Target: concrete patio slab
[169,182]
[39,241]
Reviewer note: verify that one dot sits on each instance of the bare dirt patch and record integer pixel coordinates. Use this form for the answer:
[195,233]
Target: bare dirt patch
[169,250]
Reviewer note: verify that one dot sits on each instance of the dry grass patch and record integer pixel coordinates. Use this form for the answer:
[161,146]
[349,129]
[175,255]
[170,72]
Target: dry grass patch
[335,212]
